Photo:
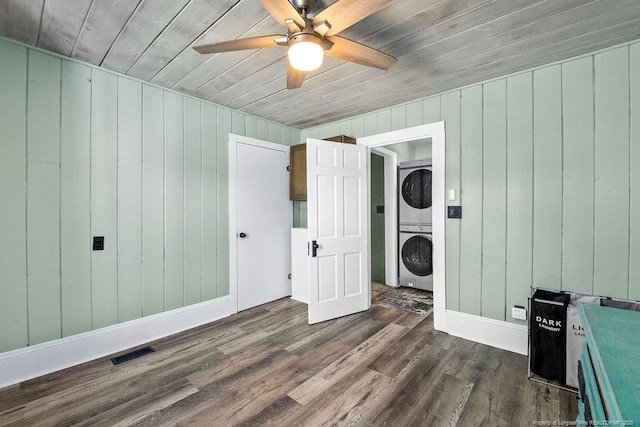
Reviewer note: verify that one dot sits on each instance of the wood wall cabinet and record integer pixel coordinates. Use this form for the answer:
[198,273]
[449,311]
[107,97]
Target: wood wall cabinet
[608,370]
[298,173]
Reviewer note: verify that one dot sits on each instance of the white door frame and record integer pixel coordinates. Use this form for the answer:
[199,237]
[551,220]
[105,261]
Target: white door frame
[436,132]
[233,240]
[390,213]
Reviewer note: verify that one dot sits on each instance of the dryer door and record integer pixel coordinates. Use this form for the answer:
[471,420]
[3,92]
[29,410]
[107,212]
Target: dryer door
[415,190]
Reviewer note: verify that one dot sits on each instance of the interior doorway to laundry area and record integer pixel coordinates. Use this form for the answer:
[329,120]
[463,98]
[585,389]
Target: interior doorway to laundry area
[413,287]
[416,147]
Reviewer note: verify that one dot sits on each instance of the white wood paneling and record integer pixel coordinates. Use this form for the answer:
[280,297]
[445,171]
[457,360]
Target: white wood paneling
[249,12]
[102,24]
[180,31]
[139,32]
[61,24]
[21,20]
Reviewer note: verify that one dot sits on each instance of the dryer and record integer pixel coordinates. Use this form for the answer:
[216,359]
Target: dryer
[416,256]
[414,193]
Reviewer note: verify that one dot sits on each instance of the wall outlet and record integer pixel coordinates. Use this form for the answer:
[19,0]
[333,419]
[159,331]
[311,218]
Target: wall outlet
[519,312]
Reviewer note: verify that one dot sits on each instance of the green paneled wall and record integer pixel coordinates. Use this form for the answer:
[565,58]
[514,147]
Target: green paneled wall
[544,163]
[547,164]
[377,219]
[85,152]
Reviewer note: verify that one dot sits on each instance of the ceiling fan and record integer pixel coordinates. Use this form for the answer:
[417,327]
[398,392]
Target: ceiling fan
[310,37]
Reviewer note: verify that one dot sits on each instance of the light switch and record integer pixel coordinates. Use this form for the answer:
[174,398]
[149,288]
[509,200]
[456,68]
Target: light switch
[452,194]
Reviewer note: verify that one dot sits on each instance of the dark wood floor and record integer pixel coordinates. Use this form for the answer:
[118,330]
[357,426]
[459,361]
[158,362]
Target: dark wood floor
[267,366]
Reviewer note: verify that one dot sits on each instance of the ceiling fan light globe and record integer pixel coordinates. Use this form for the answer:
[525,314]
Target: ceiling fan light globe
[306,55]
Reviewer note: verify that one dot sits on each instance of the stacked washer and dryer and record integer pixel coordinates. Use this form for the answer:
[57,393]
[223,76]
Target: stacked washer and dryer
[415,229]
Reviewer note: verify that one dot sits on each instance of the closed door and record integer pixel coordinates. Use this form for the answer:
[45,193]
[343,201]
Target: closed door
[338,226]
[263,224]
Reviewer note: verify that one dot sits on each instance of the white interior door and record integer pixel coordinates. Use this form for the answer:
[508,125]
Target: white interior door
[263,224]
[338,225]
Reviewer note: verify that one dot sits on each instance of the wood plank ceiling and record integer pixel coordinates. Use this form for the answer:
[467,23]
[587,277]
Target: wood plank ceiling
[440,45]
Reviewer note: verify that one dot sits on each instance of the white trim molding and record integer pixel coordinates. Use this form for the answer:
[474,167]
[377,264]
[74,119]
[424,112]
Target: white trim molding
[42,359]
[391,213]
[496,333]
[436,133]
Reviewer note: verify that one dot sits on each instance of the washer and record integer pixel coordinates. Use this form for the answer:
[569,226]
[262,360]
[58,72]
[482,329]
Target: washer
[416,256]
[414,193]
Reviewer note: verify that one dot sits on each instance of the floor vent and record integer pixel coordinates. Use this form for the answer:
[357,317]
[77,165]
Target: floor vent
[132,355]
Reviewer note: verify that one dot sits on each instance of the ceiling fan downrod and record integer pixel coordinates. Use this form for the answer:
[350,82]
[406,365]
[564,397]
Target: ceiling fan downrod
[303,6]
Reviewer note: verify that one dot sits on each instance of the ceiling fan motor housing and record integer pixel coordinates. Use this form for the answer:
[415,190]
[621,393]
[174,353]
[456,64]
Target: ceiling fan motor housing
[305,37]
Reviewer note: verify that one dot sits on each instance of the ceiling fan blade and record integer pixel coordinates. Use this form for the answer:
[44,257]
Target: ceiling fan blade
[355,52]
[239,44]
[281,10]
[344,13]
[294,77]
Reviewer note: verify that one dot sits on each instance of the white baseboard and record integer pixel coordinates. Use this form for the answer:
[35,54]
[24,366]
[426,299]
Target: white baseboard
[41,359]
[496,333]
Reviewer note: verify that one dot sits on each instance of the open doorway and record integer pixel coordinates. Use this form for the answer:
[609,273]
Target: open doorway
[415,136]
[377,218]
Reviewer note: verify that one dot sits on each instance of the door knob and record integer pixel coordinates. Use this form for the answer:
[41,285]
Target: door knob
[242,235]
[314,248]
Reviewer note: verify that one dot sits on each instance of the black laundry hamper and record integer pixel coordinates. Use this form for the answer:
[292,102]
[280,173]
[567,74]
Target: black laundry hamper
[547,334]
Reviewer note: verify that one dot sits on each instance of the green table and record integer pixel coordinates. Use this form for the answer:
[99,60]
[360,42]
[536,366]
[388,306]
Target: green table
[610,366]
